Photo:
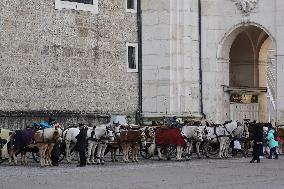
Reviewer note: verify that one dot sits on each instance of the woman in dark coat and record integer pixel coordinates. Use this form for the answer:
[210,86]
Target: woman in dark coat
[257,144]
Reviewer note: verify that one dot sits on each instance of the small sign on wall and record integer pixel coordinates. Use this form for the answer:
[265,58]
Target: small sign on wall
[243,99]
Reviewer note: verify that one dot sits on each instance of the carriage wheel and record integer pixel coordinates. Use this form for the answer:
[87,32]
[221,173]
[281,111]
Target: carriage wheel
[35,156]
[1,160]
[144,153]
[211,150]
[172,151]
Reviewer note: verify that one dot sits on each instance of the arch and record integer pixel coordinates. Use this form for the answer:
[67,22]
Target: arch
[245,47]
[223,49]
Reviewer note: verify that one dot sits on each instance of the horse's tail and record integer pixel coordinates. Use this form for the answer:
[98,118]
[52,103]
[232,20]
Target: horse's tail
[151,149]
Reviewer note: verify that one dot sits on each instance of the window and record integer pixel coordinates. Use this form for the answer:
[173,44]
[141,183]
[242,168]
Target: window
[84,5]
[131,6]
[132,57]
[81,1]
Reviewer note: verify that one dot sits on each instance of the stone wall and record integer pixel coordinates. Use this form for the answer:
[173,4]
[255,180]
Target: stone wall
[65,60]
[170,68]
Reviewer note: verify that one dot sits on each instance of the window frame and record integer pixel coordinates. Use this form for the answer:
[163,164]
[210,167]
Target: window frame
[93,8]
[131,10]
[135,45]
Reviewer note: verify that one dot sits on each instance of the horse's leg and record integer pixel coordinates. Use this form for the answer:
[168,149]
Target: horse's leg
[124,152]
[178,152]
[41,154]
[137,152]
[112,154]
[23,158]
[90,153]
[103,149]
[14,158]
[197,145]
[93,156]
[159,153]
[11,157]
[221,147]
[189,147]
[205,148]
[99,150]
[227,147]
[133,149]
[49,149]
[127,154]
[68,153]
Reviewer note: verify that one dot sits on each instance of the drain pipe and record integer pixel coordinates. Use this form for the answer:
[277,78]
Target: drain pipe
[139,38]
[200,60]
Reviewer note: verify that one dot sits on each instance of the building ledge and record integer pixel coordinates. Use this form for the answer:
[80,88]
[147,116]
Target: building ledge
[244,90]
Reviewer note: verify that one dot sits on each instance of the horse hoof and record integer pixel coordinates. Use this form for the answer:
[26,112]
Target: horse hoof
[102,163]
[116,160]
[188,159]
[199,157]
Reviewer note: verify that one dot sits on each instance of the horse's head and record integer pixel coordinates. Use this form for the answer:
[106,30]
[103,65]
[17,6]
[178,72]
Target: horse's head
[198,133]
[206,133]
[56,136]
[109,133]
[117,129]
[143,138]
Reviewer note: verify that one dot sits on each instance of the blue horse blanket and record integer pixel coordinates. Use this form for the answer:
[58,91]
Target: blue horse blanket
[41,125]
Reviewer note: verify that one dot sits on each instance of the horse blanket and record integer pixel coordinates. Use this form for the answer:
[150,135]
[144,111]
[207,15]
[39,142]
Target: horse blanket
[41,125]
[169,136]
[130,136]
[280,133]
[22,138]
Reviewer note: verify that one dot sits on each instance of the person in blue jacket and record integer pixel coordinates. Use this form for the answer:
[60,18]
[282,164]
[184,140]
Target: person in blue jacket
[272,143]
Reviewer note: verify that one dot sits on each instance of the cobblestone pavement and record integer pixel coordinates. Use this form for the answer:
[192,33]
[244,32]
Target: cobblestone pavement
[232,173]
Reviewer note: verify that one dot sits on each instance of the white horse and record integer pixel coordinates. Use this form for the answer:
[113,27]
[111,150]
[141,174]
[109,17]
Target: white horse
[192,134]
[103,134]
[98,138]
[223,133]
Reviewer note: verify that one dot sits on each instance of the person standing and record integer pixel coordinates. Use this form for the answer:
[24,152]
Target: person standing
[257,144]
[81,144]
[273,144]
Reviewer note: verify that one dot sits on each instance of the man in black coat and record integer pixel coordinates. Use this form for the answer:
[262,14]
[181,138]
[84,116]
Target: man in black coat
[257,144]
[81,144]
[55,153]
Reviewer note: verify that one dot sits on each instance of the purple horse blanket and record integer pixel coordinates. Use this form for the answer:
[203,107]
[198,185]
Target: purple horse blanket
[22,138]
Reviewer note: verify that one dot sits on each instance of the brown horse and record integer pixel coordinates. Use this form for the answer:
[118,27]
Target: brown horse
[131,139]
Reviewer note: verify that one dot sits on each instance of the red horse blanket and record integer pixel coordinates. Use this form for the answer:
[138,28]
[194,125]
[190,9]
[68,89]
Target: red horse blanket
[169,136]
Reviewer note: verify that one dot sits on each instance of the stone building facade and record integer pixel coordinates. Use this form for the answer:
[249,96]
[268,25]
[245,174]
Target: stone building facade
[242,55]
[66,59]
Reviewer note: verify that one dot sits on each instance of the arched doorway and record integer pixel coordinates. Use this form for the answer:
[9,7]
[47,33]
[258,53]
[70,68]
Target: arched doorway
[250,89]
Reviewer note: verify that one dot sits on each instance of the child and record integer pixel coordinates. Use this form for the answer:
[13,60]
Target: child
[237,148]
[273,144]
